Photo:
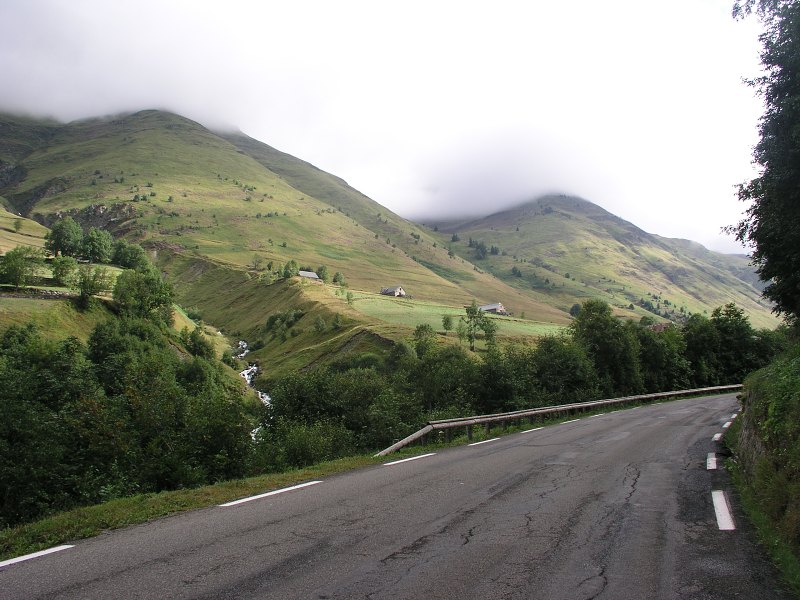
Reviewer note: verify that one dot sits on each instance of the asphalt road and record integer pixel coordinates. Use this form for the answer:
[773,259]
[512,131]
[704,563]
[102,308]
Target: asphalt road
[610,507]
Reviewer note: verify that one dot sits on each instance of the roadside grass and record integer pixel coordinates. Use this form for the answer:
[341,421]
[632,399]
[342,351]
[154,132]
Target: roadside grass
[781,553]
[89,521]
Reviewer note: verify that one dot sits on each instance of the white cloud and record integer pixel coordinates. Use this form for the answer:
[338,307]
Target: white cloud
[637,106]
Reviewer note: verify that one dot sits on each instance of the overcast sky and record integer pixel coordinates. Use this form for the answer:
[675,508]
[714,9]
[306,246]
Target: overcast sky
[430,108]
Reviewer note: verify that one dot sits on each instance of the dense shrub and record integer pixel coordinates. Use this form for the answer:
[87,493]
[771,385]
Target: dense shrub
[125,414]
[769,443]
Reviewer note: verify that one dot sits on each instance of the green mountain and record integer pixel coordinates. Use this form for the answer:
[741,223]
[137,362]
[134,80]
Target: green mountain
[222,213]
[568,249]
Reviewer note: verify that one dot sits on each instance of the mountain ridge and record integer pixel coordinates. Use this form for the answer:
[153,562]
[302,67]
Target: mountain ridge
[230,198]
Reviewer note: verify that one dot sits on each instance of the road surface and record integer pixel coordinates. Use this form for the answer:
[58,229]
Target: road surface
[611,507]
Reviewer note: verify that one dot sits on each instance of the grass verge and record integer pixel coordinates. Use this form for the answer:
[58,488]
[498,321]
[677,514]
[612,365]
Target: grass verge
[89,521]
[781,553]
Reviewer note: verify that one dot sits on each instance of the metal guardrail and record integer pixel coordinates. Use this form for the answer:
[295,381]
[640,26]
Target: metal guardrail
[449,424]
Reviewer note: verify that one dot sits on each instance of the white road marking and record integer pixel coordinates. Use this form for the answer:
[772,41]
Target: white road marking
[717,437]
[711,461]
[734,415]
[572,421]
[534,429]
[722,511]
[597,415]
[397,462]
[728,424]
[272,493]
[12,561]
[483,442]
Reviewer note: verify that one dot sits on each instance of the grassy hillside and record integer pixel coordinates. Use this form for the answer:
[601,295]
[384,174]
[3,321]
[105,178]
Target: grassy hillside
[30,232]
[568,250]
[169,180]
[223,213]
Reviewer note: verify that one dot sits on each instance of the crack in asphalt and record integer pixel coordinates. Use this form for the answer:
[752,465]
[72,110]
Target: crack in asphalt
[593,580]
[636,474]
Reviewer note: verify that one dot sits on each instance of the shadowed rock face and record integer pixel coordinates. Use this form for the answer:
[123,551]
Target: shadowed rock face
[111,217]
[11,175]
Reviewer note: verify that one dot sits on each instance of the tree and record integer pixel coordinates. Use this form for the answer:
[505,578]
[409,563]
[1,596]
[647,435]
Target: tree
[144,294]
[476,320]
[424,339]
[322,273]
[702,347]
[129,256]
[17,225]
[338,278]
[65,238]
[18,267]
[64,268]
[91,281]
[736,350]
[613,348]
[661,355]
[447,322]
[291,269]
[772,221]
[562,372]
[98,245]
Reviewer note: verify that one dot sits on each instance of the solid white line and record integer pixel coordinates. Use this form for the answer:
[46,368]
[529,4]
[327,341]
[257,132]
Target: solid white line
[711,461]
[11,561]
[572,421]
[728,424]
[397,462]
[483,442]
[272,493]
[534,429]
[717,437]
[722,510]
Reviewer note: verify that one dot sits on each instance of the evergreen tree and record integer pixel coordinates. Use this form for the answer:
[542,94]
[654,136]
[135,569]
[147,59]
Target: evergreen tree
[772,224]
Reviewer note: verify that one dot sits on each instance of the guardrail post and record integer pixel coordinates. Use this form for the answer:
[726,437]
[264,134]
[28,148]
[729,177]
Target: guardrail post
[448,435]
[469,432]
[488,428]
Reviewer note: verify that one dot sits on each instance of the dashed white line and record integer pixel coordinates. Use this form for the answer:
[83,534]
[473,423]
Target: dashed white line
[722,511]
[12,561]
[734,415]
[728,424]
[483,442]
[597,415]
[572,421]
[534,429]
[397,462]
[711,461]
[272,493]
[717,437]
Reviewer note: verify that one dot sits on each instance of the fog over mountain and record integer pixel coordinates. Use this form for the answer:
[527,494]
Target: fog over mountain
[430,110]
